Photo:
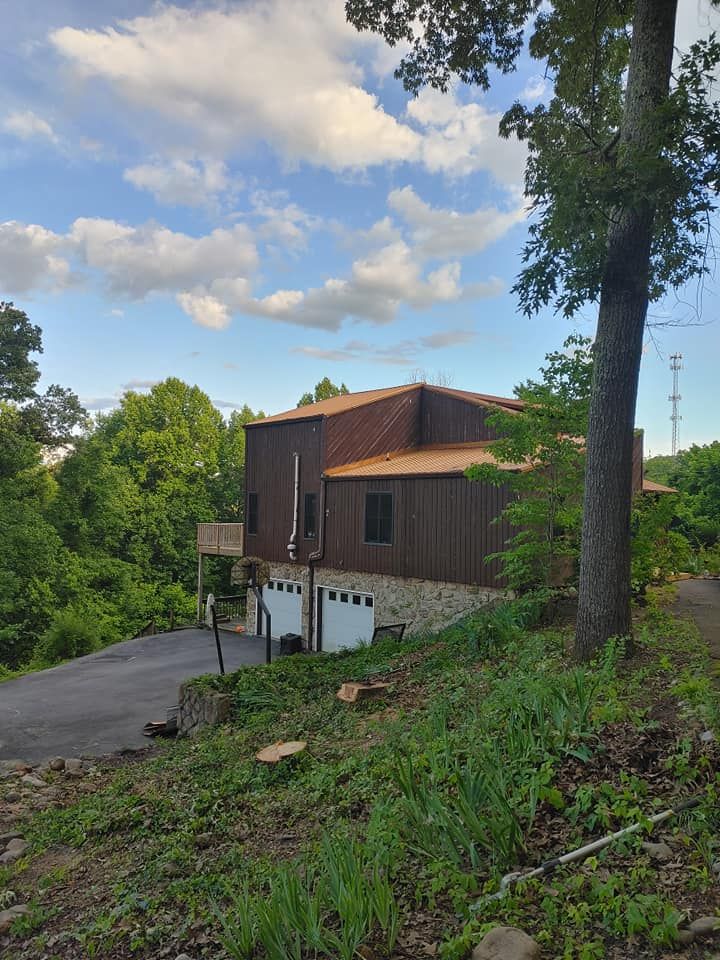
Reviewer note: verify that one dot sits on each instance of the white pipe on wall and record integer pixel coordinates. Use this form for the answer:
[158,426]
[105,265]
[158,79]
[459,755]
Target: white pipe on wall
[292,545]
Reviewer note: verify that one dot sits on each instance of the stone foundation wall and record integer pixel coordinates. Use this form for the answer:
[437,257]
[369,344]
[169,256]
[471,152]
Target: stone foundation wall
[424,605]
[200,707]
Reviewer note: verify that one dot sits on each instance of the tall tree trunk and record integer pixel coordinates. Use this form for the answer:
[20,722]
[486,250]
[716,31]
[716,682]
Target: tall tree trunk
[604,595]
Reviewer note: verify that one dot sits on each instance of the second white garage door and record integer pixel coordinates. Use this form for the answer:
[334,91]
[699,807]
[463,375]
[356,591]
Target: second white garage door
[284,601]
[347,619]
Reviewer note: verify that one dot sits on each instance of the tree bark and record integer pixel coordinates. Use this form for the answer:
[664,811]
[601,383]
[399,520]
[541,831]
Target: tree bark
[604,592]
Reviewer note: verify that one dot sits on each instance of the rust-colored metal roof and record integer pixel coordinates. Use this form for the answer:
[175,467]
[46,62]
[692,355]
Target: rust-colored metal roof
[650,486]
[334,405]
[350,401]
[482,399]
[424,461]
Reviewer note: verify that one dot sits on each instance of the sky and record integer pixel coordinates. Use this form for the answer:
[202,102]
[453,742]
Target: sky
[240,194]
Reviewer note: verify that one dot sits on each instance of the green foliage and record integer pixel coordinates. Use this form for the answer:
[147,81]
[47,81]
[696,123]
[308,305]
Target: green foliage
[69,635]
[657,550]
[546,436]
[323,391]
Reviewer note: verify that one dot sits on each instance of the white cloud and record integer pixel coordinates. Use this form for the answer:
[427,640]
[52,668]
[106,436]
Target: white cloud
[288,74]
[282,223]
[269,70]
[30,260]
[136,384]
[403,353]
[191,183]
[205,310]
[136,261]
[535,88]
[459,139]
[439,232]
[26,125]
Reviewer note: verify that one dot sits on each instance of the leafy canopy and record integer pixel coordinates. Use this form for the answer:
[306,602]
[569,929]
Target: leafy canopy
[580,170]
[323,391]
[546,435]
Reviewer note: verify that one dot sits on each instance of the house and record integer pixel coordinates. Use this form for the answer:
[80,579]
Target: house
[361,508]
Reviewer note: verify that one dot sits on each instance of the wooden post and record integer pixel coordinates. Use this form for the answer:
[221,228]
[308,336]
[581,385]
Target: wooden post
[201,559]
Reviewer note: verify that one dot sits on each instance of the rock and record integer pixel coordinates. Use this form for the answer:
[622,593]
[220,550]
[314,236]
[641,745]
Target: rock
[5,838]
[707,736]
[73,767]
[705,926]
[183,956]
[17,843]
[685,937]
[506,943]
[57,763]
[12,796]
[203,840]
[12,913]
[15,849]
[657,851]
[30,780]
[716,867]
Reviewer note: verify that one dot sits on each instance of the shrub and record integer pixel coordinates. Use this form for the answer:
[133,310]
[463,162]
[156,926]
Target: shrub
[69,635]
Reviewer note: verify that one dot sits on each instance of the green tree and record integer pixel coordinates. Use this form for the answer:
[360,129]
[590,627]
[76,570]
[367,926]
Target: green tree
[696,474]
[323,391]
[547,436]
[621,174]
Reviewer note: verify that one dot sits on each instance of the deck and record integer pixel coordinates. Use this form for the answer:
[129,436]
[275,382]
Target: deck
[221,539]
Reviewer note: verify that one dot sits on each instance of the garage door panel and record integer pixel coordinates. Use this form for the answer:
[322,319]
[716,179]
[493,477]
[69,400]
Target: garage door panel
[284,601]
[348,618]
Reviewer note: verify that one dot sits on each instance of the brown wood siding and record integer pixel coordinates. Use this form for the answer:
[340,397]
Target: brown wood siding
[371,431]
[270,467]
[637,462]
[447,419]
[443,529]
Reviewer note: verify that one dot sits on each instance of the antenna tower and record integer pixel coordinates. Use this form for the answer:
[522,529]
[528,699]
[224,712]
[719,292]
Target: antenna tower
[675,398]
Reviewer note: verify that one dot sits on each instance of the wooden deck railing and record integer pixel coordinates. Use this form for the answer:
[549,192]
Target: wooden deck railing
[224,539]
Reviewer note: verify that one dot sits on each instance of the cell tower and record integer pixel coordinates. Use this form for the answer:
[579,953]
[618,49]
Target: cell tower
[675,398]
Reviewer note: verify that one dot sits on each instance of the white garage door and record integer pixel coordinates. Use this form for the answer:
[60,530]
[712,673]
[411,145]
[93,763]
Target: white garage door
[284,601]
[347,619]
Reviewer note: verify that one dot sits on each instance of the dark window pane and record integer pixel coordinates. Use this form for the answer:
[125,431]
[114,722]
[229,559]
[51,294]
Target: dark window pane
[298,589]
[281,586]
[310,516]
[343,598]
[378,518]
[368,601]
[271,585]
[356,600]
[251,521]
[332,595]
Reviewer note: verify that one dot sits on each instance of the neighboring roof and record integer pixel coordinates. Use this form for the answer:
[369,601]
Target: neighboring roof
[436,459]
[650,486]
[349,401]
[328,408]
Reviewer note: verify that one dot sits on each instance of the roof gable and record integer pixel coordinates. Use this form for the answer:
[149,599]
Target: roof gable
[350,401]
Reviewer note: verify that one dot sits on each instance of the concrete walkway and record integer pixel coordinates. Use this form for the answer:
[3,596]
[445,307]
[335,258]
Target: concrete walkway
[99,704]
[700,599]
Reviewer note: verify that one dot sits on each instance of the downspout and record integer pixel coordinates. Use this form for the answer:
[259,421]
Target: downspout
[312,560]
[292,545]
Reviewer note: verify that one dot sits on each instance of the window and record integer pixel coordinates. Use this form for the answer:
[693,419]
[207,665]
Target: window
[368,601]
[281,586]
[343,598]
[333,595]
[298,588]
[378,518]
[356,600]
[271,585]
[251,523]
[310,516]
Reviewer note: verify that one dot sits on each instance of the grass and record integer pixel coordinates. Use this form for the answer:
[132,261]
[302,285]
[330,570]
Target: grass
[491,752]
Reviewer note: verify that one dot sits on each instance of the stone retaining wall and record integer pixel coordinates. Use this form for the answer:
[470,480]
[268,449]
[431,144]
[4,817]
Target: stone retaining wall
[424,605]
[200,707]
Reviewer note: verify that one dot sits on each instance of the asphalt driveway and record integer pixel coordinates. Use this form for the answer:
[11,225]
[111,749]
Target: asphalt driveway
[99,704]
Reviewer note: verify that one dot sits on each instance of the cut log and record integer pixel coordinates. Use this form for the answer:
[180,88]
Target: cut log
[352,692]
[280,751]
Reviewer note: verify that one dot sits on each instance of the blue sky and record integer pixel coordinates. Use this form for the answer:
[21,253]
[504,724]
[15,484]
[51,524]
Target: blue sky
[241,195]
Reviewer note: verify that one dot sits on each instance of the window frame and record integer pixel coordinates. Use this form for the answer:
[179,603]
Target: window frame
[314,499]
[252,514]
[379,518]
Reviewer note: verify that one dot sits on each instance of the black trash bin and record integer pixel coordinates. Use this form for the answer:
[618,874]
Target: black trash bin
[290,643]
